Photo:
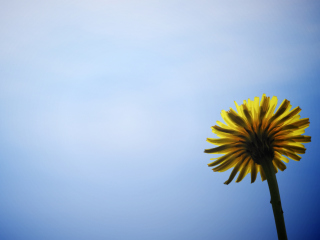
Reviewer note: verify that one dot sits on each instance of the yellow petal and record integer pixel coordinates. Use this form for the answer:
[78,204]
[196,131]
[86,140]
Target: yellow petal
[273,105]
[244,169]
[254,171]
[281,157]
[264,107]
[247,114]
[296,149]
[289,154]
[262,174]
[289,116]
[283,107]
[255,109]
[236,120]
[216,129]
[223,148]
[293,156]
[220,141]
[293,119]
[233,173]
[302,139]
[222,125]
[303,123]
[227,164]
[225,117]
[279,164]
[294,139]
[239,109]
[220,159]
[286,160]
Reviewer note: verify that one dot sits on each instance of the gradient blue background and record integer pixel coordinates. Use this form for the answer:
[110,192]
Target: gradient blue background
[106,106]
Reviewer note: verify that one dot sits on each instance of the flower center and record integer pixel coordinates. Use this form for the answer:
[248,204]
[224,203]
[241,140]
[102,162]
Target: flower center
[260,147]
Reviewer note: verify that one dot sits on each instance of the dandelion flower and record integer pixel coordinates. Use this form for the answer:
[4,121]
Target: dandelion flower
[255,134]
[258,139]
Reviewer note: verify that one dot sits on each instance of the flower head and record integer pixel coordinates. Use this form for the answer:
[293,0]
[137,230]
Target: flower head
[257,133]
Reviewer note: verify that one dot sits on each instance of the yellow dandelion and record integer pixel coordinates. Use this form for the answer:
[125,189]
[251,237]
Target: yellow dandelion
[258,139]
[255,134]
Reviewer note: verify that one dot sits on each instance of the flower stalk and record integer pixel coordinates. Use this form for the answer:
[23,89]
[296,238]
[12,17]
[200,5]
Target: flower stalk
[268,169]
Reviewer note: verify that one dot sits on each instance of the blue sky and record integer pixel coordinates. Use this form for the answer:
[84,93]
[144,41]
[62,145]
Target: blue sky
[106,106]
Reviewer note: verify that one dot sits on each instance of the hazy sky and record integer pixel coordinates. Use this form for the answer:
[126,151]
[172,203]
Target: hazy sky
[106,106]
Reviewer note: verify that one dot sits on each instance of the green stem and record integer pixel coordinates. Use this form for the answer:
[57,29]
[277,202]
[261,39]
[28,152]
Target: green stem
[275,198]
